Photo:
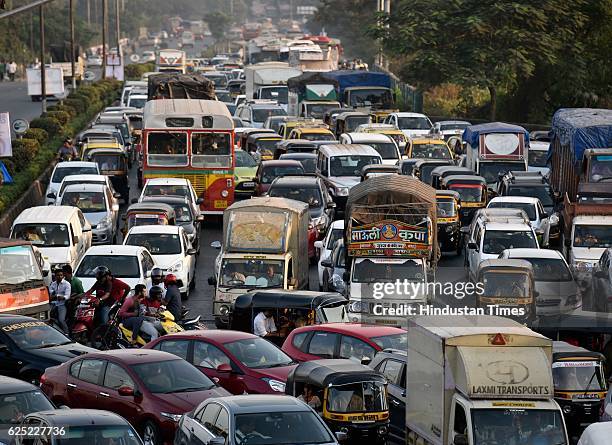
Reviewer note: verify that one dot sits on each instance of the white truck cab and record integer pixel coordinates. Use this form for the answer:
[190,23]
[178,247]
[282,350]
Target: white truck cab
[590,236]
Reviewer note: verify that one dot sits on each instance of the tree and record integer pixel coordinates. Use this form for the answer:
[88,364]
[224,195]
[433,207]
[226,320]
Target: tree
[217,23]
[488,43]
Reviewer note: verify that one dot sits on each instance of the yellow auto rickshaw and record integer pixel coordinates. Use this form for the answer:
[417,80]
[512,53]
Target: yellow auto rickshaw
[473,192]
[449,224]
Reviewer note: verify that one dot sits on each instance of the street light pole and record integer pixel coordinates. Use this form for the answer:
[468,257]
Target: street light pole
[43,77]
[104,5]
[72,54]
[117,25]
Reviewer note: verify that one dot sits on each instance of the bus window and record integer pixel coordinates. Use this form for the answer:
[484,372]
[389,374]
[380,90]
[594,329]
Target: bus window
[167,149]
[211,150]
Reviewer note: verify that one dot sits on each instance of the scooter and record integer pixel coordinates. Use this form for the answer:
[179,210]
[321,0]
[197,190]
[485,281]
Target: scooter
[83,324]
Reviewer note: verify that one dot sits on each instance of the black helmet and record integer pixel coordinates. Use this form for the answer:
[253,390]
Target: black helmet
[155,293]
[156,272]
[101,272]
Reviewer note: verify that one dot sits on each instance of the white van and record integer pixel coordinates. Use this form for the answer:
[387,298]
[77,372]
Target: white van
[62,233]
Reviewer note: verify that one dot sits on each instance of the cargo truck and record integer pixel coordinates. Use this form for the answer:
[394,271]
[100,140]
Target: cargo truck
[268,80]
[171,60]
[391,238]
[180,86]
[495,148]
[364,90]
[480,379]
[311,95]
[265,245]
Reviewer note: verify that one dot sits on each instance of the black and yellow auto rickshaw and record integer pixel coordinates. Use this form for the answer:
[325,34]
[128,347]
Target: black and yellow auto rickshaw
[113,162]
[290,309]
[508,284]
[353,397]
[148,213]
[294,146]
[262,145]
[348,121]
[473,192]
[579,383]
[439,173]
[242,140]
[372,170]
[406,166]
[449,225]
[423,167]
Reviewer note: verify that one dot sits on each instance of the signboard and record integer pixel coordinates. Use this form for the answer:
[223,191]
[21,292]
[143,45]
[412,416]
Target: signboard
[509,146]
[89,76]
[6,149]
[135,58]
[20,126]
[113,60]
[54,81]
[256,231]
[388,238]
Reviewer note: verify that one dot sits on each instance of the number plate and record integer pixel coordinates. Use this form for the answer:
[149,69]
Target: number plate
[220,204]
[248,184]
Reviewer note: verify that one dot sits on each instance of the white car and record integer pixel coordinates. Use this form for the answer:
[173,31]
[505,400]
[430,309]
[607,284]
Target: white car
[137,101]
[148,56]
[539,219]
[94,60]
[172,187]
[411,124]
[171,250]
[334,232]
[87,179]
[447,129]
[383,144]
[537,160]
[131,264]
[63,169]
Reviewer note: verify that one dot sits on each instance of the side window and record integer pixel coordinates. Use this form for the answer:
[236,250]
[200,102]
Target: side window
[179,348]
[209,356]
[393,372]
[222,424]
[75,368]
[116,377]
[91,370]
[479,233]
[208,416]
[298,340]
[72,233]
[355,349]
[147,262]
[290,270]
[324,169]
[460,425]
[323,344]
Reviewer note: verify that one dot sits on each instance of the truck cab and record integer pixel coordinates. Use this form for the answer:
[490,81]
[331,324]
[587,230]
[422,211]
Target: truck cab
[590,236]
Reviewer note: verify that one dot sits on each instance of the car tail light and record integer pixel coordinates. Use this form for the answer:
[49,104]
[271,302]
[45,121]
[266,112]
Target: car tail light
[43,379]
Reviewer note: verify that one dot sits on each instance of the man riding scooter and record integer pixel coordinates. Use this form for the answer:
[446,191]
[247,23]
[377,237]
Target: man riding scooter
[131,318]
[157,279]
[108,290]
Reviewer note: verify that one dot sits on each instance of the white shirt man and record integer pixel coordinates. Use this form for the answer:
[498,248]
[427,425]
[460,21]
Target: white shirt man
[264,325]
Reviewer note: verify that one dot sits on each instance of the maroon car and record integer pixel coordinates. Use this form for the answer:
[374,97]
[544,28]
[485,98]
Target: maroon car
[151,389]
[238,361]
[268,171]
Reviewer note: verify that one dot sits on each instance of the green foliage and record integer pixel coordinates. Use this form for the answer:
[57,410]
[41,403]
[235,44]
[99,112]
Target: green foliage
[217,23]
[76,103]
[38,134]
[136,70]
[24,151]
[51,125]
[61,116]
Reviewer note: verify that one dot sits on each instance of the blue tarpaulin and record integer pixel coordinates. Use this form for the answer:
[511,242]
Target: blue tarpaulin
[582,128]
[6,177]
[356,78]
[472,133]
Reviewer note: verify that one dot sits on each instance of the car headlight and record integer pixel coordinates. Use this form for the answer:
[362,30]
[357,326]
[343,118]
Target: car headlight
[173,417]
[355,306]
[583,266]
[276,385]
[104,224]
[554,219]
[342,191]
[176,267]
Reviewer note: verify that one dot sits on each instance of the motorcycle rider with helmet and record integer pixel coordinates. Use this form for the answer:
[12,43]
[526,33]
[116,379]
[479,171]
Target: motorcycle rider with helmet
[157,279]
[112,290]
[172,298]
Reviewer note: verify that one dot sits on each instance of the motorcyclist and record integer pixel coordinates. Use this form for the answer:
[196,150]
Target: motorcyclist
[67,152]
[108,290]
[153,306]
[157,279]
[172,298]
[130,315]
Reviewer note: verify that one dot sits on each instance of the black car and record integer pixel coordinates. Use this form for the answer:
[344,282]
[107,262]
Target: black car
[311,190]
[392,364]
[18,399]
[308,160]
[187,215]
[77,426]
[29,346]
[335,269]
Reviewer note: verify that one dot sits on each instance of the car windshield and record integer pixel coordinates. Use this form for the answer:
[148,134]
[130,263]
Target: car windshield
[258,353]
[211,150]
[241,273]
[220,81]
[261,114]
[385,150]
[430,151]
[495,241]
[243,159]
[317,111]
[166,189]
[352,122]
[592,236]
[517,426]
[540,191]
[137,102]
[380,98]
[528,208]
[538,158]
[317,136]
[457,126]
[18,265]
[335,235]
[43,235]
[167,148]
[601,168]
[88,202]
[413,123]
[351,165]
[98,434]
[368,271]
[156,243]
[583,375]
[34,335]
[69,181]
[425,172]
[279,94]
[550,269]
[266,146]
[506,283]
[61,173]
[357,397]
[492,171]
[280,428]
[223,96]
[182,213]
[16,405]
[309,164]
[394,341]
[123,266]
[274,124]
[468,192]
[309,195]
[270,173]
[172,376]
[109,162]
[446,208]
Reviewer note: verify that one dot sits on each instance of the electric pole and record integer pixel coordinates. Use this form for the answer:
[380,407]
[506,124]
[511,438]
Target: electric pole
[104,30]
[72,49]
[43,77]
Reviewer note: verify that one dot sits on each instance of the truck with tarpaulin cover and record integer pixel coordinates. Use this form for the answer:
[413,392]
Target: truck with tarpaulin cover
[580,155]
[479,379]
[363,89]
[495,148]
[311,95]
[22,286]
[391,237]
[265,246]
[180,86]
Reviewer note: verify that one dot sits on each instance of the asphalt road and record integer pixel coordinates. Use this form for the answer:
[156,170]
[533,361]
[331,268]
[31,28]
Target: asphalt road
[16,101]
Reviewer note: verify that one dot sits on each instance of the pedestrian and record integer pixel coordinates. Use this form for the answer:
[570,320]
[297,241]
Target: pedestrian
[60,292]
[2,70]
[12,70]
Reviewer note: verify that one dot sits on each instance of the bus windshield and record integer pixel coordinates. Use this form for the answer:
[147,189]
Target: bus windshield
[211,150]
[18,265]
[167,149]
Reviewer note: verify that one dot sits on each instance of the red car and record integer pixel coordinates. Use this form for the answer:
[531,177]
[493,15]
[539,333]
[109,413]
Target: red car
[240,362]
[150,389]
[354,341]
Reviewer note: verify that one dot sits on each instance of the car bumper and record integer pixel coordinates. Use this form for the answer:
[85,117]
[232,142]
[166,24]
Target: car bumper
[101,236]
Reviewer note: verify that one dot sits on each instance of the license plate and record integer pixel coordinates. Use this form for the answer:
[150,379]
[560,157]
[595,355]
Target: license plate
[248,184]
[220,204]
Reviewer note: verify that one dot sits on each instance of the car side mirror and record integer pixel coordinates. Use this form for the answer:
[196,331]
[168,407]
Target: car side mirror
[365,360]
[126,391]
[45,273]
[473,246]
[117,195]
[341,436]
[199,201]
[346,276]
[51,196]
[200,218]
[326,263]
[330,205]
[318,244]
[212,281]
[224,367]
[191,251]
[544,215]
[460,439]
[3,347]
[216,441]
[134,200]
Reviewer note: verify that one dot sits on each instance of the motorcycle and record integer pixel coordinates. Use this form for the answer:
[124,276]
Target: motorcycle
[83,325]
[190,324]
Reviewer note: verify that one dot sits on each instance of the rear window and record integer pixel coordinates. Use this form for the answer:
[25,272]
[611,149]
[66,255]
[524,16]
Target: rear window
[61,173]
[122,266]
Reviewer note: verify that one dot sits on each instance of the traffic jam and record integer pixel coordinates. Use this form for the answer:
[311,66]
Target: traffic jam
[261,248]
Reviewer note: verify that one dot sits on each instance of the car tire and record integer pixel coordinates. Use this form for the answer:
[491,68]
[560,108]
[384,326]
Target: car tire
[151,434]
